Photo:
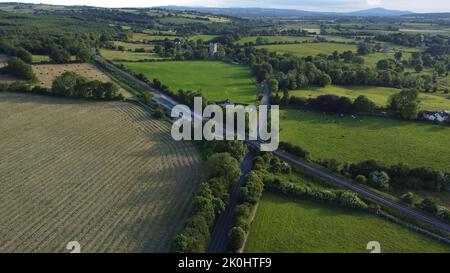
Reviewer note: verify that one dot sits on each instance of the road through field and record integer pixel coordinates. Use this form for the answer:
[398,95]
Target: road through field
[104,174]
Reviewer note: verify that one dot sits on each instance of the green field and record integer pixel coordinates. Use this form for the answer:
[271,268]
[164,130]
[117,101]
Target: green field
[216,80]
[116,55]
[286,225]
[379,95]
[133,46]
[388,140]
[205,38]
[183,21]
[310,49]
[40,58]
[141,37]
[275,39]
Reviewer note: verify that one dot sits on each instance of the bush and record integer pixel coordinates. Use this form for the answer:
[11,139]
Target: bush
[20,69]
[295,150]
[361,179]
[379,180]
[252,191]
[362,104]
[408,198]
[237,238]
[429,205]
[331,164]
[224,165]
[159,112]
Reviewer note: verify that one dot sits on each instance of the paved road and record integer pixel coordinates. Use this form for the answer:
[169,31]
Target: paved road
[364,192]
[224,223]
[266,94]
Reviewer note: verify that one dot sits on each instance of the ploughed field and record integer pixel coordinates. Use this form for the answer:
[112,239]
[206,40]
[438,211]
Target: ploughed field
[104,174]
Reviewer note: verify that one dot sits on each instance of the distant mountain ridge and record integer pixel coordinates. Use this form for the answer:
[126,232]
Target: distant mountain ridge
[268,12]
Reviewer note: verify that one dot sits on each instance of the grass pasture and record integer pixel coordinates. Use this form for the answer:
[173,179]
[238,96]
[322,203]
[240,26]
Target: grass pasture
[286,225]
[203,37]
[104,174]
[40,58]
[142,37]
[379,95]
[116,55]
[275,39]
[216,80]
[133,46]
[309,49]
[389,141]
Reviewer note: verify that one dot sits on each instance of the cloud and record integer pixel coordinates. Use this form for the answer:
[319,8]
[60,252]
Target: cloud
[373,2]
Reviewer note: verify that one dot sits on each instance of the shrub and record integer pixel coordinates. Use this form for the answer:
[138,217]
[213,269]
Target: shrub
[20,69]
[408,198]
[159,112]
[429,205]
[380,180]
[362,104]
[224,165]
[237,237]
[295,150]
[361,179]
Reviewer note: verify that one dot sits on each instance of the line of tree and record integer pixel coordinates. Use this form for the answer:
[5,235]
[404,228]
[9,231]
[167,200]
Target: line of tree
[223,170]
[70,84]
[20,69]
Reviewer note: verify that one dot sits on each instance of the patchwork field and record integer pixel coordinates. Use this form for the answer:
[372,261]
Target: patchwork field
[379,95]
[286,225]
[47,73]
[310,49]
[215,80]
[347,139]
[116,55]
[275,39]
[133,46]
[142,37]
[205,38]
[104,174]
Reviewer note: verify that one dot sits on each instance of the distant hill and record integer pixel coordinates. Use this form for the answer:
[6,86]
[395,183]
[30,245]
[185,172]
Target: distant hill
[265,12]
[377,12]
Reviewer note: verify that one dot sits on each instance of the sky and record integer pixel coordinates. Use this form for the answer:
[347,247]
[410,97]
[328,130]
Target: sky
[311,5]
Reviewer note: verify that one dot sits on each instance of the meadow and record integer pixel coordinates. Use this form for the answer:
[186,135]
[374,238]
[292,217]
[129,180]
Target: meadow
[142,37]
[203,37]
[379,95]
[345,138]
[274,39]
[116,55]
[215,80]
[310,49]
[105,174]
[289,225]
[134,46]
